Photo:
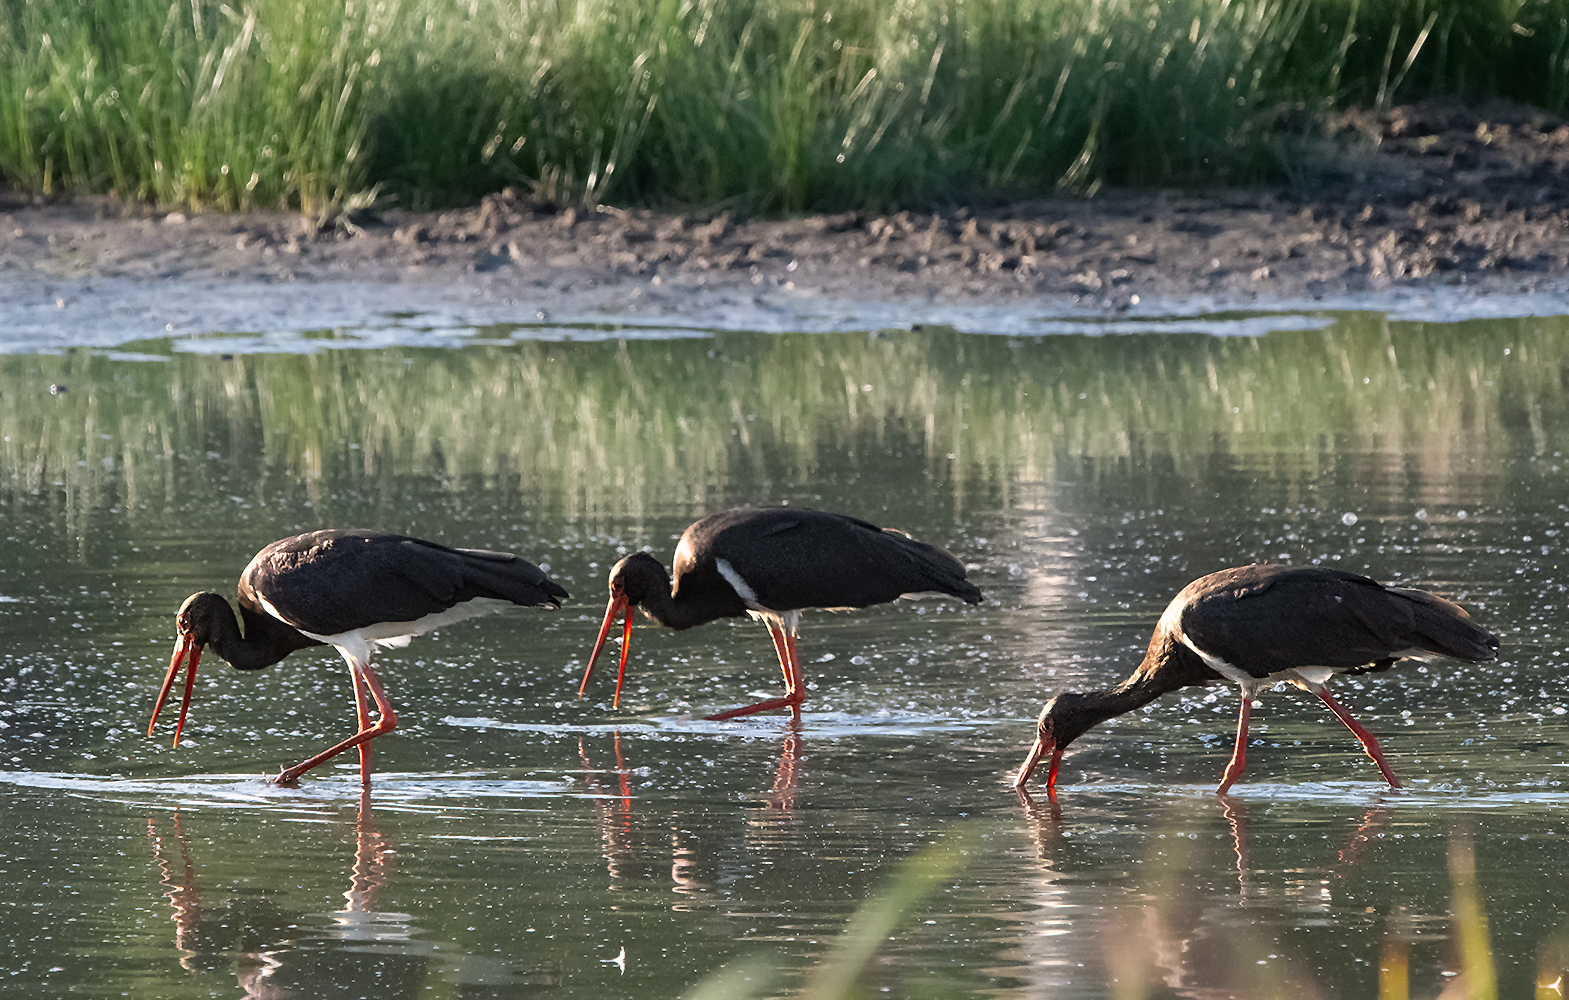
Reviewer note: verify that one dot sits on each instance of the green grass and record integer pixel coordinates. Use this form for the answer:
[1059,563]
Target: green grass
[780,106]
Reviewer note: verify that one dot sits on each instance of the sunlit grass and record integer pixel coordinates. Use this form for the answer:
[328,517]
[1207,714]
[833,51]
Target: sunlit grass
[194,104]
[787,106]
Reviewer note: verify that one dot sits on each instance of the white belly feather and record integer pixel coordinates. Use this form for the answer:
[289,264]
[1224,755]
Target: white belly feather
[356,644]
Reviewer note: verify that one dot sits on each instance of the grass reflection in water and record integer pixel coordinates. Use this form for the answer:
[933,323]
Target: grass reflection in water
[602,426]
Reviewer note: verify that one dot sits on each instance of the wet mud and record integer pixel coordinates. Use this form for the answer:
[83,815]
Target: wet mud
[1418,203]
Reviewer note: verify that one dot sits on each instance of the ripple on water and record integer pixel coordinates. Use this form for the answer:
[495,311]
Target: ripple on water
[825,725]
[251,791]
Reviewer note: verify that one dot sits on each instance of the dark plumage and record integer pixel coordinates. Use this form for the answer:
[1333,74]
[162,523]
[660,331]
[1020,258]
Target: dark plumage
[1259,625]
[356,590]
[771,563]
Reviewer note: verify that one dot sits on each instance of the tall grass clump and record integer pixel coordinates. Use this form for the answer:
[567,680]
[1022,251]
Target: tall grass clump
[1363,51]
[191,104]
[760,105]
[874,105]
[803,104]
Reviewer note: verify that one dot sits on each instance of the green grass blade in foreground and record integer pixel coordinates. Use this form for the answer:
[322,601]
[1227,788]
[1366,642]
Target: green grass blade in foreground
[868,928]
[916,878]
[749,977]
[1475,943]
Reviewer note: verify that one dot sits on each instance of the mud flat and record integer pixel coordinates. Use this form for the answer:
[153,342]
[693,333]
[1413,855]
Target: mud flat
[1437,209]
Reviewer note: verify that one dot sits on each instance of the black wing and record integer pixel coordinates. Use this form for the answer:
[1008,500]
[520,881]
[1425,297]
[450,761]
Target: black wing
[1263,619]
[795,558]
[334,581]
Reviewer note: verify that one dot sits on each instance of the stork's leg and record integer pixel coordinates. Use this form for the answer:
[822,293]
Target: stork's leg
[795,686]
[362,715]
[388,720]
[795,691]
[1239,753]
[781,641]
[1368,742]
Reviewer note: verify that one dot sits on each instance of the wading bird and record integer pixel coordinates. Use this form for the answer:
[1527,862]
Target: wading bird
[771,563]
[355,590]
[1260,625]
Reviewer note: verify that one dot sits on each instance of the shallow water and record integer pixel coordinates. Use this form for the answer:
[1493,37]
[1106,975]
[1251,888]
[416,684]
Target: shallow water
[516,839]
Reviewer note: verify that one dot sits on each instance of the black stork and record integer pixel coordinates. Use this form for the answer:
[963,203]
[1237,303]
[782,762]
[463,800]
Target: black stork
[355,590]
[1261,625]
[770,563]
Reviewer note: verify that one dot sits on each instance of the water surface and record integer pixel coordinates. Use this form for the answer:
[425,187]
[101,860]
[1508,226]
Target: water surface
[516,839]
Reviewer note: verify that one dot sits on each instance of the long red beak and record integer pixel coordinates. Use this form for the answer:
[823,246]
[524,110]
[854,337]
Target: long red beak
[618,605]
[183,646]
[1039,750]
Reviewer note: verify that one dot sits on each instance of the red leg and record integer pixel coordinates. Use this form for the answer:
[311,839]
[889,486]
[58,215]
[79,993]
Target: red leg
[795,685]
[1239,754]
[289,777]
[795,691]
[362,715]
[781,640]
[1368,742]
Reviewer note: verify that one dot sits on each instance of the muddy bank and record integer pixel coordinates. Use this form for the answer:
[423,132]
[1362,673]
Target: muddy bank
[1436,201]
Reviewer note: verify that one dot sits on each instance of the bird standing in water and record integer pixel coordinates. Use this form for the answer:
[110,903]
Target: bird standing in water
[355,590]
[771,563]
[1260,625]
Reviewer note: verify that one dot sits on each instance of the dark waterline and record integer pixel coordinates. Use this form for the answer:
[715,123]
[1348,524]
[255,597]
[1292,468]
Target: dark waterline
[516,839]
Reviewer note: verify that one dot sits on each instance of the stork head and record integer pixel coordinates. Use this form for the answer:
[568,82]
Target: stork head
[1064,719]
[632,580]
[195,626]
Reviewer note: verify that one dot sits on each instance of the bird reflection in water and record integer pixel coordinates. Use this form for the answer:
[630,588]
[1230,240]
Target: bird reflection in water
[777,825]
[619,832]
[374,856]
[263,942]
[1375,818]
[1237,819]
[613,813]
[781,798]
[210,935]
[1374,821]
[1192,942]
[180,890]
[1042,818]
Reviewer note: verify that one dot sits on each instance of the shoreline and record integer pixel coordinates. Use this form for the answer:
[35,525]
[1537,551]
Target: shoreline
[1432,211]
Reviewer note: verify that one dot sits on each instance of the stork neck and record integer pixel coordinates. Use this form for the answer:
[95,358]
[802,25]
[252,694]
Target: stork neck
[1133,693]
[1167,666]
[672,612]
[266,640]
